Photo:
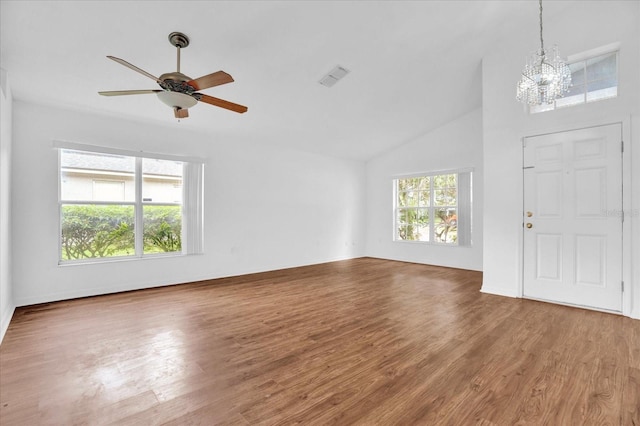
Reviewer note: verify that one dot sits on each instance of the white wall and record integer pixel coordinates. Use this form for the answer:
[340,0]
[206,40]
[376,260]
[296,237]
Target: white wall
[585,26]
[265,208]
[455,145]
[6,299]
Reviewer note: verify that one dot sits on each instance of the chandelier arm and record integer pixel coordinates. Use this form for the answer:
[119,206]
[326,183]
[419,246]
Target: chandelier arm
[528,78]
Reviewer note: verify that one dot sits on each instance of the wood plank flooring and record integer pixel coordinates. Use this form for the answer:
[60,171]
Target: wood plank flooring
[364,341]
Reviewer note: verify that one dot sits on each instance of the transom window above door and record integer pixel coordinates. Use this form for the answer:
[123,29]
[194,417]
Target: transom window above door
[594,77]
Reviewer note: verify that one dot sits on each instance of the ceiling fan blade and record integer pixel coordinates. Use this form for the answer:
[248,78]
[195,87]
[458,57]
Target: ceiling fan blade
[133,67]
[214,79]
[222,103]
[128,92]
[180,112]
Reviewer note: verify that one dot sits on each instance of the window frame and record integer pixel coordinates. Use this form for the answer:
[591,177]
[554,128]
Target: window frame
[432,208]
[193,218]
[583,58]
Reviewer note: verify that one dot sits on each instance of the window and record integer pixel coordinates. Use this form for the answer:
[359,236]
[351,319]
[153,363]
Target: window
[592,79]
[434,208]
[115,205]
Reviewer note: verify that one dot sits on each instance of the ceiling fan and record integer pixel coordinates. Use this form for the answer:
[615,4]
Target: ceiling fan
[178,90]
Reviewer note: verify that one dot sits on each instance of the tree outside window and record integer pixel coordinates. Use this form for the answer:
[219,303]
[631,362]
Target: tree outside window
[102,215]
[427,209]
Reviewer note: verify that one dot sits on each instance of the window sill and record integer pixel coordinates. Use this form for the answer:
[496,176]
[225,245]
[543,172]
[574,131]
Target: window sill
[122,259]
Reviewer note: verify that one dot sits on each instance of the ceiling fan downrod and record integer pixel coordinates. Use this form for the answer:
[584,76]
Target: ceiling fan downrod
[180,41]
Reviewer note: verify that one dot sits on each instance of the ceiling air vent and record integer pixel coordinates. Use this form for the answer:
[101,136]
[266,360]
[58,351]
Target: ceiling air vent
[334,75]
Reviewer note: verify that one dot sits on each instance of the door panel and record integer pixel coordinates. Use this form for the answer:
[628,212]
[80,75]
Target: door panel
[549,257]
[572,242]
[548,187]
[591,260]
[591,192]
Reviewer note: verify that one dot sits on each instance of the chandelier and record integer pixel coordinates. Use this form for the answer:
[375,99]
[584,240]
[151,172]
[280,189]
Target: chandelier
[545,76]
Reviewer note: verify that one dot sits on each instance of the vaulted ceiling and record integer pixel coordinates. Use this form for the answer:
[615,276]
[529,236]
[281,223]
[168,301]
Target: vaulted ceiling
[414,65]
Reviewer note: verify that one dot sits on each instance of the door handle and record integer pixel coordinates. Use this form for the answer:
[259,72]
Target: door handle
[529,225]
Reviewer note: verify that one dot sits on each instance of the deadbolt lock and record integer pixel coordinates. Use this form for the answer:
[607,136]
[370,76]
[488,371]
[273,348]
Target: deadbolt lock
[529,214]
[529,225]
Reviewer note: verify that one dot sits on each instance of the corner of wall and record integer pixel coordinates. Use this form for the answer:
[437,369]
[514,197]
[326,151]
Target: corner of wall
[7,306]
[3,82]
[6,320]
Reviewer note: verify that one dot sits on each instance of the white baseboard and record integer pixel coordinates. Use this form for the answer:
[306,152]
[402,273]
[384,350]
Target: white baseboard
[499,291]
[99,291]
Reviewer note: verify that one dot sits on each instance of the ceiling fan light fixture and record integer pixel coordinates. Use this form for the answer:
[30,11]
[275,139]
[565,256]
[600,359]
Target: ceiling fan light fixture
[176,99]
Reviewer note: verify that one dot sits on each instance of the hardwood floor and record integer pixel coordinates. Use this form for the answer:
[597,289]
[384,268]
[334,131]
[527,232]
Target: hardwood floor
[365,341]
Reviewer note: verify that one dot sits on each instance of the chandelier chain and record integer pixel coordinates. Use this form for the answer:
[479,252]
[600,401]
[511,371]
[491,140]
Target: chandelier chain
[541,40]
[545,77]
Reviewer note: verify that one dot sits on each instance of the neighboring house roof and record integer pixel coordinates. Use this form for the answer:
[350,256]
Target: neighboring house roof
[118,163]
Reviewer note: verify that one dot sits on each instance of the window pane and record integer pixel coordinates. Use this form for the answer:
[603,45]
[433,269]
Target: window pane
[445,197]
[401,216]
[439,181]
[413,224]
[602,67]
[418,184]
[421,225]
[424,199]
[424,183]
[444,181]
[161,181]
[574,96]
[408,199]
[162,229]
[446,225]
[577,73]
[88,176]
[94,231]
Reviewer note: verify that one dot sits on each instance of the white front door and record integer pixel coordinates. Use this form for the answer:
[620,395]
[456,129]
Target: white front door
[573,217]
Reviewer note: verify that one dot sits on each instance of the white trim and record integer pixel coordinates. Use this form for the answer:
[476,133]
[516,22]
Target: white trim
[193,208]
[434,173]
[499,291]
[630,299]
[117,151]
[138,221]
[6,320]
[592,53]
